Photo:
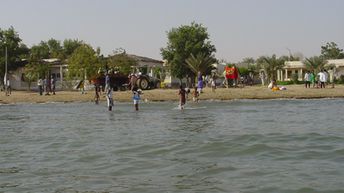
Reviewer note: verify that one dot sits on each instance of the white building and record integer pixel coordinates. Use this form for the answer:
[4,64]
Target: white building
[291,67]
[299,68]
[57,70]
[338,65]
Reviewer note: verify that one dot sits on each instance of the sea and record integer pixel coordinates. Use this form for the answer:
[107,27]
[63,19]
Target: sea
[239,146]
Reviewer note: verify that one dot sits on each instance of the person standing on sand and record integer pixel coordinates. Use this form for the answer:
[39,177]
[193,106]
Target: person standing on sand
[8,87]
[53,85]
[322,79]
[331,76]
[213,81]
[212,84]
[326,76]
[200,82]
[109,98]
[136,97]
[307,79]
[182,98]
[262,77]
[40,86]
[225,81]
[46,86]
[312,78]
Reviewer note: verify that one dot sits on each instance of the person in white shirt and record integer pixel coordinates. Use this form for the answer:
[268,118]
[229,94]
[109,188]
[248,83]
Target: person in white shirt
[109,98]
[307,79]
[322,78]
[8,87]
[40,86]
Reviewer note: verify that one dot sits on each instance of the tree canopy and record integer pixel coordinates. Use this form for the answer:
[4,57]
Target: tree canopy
[16,50]
[331,51]
[83,62]
[182,42]
[69,45]
[315,63]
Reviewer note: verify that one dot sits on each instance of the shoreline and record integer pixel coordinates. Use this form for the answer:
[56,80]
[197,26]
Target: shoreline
[165,95]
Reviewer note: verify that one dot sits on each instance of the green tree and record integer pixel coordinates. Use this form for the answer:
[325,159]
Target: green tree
[120,61]
[55,49]
[83,62]
[49,49]
[331,51]
[243,71]
[16,50]
[182,42]
[70,45]
[35,70]
[250,64]
[39,52]
[315,63]
[271,65]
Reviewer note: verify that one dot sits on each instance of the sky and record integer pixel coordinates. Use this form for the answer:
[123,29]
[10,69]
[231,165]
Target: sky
[237,28]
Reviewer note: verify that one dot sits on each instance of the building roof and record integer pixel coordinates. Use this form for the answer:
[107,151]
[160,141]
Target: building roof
[336,62]
[145,61]
[294,64]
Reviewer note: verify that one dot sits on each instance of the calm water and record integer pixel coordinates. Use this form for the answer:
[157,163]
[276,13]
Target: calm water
[237,146]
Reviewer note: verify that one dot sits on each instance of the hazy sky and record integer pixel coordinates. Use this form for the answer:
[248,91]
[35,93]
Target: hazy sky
[237,28]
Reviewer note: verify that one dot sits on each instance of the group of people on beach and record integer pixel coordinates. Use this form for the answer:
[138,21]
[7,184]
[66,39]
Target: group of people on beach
[320,80]
[47,86]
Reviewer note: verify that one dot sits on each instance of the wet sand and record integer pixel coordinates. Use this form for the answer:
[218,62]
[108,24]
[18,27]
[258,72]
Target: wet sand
[254,92]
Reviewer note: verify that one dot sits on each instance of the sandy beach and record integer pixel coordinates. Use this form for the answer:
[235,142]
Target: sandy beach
[254,92]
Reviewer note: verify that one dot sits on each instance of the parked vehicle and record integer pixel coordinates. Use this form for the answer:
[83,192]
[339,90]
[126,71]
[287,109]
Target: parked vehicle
[120,81]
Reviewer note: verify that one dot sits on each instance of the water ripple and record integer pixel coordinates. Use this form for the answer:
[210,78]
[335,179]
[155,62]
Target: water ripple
[237,146]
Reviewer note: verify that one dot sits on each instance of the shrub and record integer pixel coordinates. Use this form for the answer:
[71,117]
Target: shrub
[285,82]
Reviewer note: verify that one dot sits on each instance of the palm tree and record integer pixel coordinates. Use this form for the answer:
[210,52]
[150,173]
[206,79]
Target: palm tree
[201,63]
[271,65]
[315,63]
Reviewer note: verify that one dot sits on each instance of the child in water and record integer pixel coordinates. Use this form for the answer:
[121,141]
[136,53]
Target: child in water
[109,98]
[136,97]
[182,94]
[96,96]
[195,95]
